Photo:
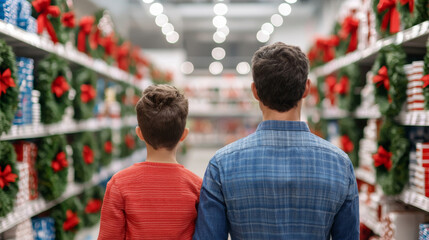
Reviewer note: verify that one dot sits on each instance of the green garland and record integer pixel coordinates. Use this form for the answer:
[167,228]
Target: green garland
[72,223]
[98,52]
[106,146]
[129,142]
[393,57]
[88,79]
[379,18]
[420,13]
[52,183]
[352,98]
[49,71]
[8,100]
[353,130]
[321,90]
[426,72]
[8,193]
[91,200]
[85,156]
[393,139]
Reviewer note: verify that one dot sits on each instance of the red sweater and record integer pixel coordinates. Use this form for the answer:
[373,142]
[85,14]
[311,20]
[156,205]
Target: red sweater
[150,201]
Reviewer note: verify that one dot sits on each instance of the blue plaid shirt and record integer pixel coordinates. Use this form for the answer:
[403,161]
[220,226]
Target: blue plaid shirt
[281,182]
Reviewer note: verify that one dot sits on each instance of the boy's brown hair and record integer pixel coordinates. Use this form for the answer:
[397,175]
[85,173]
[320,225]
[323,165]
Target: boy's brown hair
[161,115]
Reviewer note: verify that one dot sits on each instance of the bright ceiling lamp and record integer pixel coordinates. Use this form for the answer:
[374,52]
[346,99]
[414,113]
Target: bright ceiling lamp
[172,37]
[268,28]
[187,68]
[219,21]
[224,30]
[220,9]
[161,20]
[243,68]
[285,9]
[167,28]
[215,68]
[218,53]
[262,36]
[156,9]
[219,37]
[291,1]
[276,20]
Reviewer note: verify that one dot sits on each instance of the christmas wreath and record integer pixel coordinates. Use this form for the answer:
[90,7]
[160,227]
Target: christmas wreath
[128,96]
[351,131]
[53,82]
[106,146]
[348,34]
[425,78]
[68,219]
[84,41]
[413,11]
[92,200]
[52,166]
[8,178]
[84,83]
[390,80]
[85,156]
[391,159]
[348,87]
[387,17]
[128,142]
[8,87]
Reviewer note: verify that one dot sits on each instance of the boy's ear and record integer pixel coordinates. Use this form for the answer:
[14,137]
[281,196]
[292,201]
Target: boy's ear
[255,93]
[184,135]
[307,88]
[139,133]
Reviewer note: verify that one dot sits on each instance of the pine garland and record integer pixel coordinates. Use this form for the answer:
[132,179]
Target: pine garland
[128,143]
[419,13]
[53,82]
[8,100]
[52,180]
[92,200]
[106,146]
[350,98]
[68,218]
[85,156]
[351,131]
[426,72]
[391,101]
[379,16]
[84,83]
[9,191]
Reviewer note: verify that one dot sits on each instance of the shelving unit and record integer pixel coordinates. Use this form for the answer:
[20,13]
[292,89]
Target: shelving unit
[40,205]
[417,200]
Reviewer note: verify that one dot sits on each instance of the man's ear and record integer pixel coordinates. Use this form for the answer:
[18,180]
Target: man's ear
[307,88]
[184,135]
[139,133]
[255,93]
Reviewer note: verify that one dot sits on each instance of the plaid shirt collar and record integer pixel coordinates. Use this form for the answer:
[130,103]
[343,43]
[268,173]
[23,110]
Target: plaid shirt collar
[283,126]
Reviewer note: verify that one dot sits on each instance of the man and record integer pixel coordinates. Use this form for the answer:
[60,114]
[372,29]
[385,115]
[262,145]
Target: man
[281,182]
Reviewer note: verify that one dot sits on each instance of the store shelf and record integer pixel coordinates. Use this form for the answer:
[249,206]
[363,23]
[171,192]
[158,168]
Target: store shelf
[40,205]
[417,118]
[417,200]
[334,113]
[414,37]
[368,113]
[66,127]
[365,175]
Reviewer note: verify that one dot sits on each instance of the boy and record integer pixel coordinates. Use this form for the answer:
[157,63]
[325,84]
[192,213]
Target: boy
[158,198]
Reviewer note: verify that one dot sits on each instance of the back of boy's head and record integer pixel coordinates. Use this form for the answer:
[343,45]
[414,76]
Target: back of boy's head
[161,115]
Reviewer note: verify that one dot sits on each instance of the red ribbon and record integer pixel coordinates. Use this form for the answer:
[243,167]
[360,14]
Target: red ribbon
[349,28]
[327,46]
[85,27]
[383,157]
[346,144]
[312,54]
[425,80]
[108,147]
[122,56]
[129,141]
[59,86]
[109,44]
[72,220]
[410,4]
[382,78]
[391,16]
[342,87]
[95,39]
[44,8]
[87,93]
[6,81]
[68,19]
[6,176]
[330,83]
[93,206]
[60,162]
[88,155]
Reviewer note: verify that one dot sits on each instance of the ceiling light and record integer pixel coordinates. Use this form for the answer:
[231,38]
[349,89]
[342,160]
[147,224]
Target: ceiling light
[215,68]
[262,36]
[224,30]
[167,28]
[276,20]
[219,37]
[148,1]
[187,68]
[220,9]
[267,27]
[243,68]
[161,20]
[285,9]
[156,9]
[218,53]
[219,21]
[291,1]
[172,37]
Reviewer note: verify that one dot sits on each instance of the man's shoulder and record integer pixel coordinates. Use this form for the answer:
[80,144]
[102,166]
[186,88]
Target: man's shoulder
[243,143]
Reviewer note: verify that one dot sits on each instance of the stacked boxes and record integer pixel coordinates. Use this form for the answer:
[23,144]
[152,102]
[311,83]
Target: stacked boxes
[424,232]
[9,11]
[25,20]
[36,109]
[367,32]
[25,83]
[419,170]
[368,146]
[43,228]
[26,156]
[415,98]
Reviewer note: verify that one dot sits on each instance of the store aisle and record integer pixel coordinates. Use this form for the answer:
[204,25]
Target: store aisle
[197,159]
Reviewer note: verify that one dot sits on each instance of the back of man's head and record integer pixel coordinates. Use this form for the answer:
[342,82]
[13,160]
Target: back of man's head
[280,74]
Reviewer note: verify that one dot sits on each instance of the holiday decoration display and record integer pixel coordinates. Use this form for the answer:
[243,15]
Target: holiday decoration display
[348,33]
[128,142]
[415,97]
[84,83]
[412,11]
[323,50]
[52,166]
[106,146]
[8,87]
[85,156]
[83,34]
[388,19]
[390,80]
[425,77]
[24,18]
[68,218]
[91,200]
[53,82]
[8,177]
[347,86]
[128,96]
[26,154]
[351,132]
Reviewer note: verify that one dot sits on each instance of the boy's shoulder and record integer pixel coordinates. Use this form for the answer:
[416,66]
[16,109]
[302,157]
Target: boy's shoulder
[126,173]
[192,176]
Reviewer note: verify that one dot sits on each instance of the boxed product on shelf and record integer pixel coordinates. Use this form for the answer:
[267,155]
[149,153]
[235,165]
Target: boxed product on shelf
[28,24]
[22,231]
[26,156]
[424,231]
[422,154]
[25,84]
[367,32]
[35,95]
[415,98]
[419,179]
[9,11]
[43,228]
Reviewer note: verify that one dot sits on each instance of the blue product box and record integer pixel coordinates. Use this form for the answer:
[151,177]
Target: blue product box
[43,228]
[9,11]
[29,24]
[24,9]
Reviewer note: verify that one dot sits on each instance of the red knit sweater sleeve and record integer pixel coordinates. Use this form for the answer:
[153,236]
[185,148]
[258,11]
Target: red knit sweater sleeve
[113,222]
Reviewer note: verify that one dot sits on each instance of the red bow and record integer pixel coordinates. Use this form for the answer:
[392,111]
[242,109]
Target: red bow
[346,144]
[350,27]
[68,19]
[59,86]
[7,176]
[109,44]
[410,4]
[44,8]
[312,54]
[85,27]
[95,39]
[72,220]
[382,78]
[122,56]
[129,141]
[383,157]
[330,83]
[327,46]
[88,155]
[6,81]
[391,16]
[60,162]
[425,80]
[87,93]
[93,206]
[108,147]
[342,87]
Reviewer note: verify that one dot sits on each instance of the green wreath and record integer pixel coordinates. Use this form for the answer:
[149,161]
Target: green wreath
[52,166]
[84,83]
[419,12]
[85,156]
[53,83]
[8,87]
[391,160]
[129,142]
[92,200]
[8,178]
[426,76]
[390,101]
[68,218]
[348,87]
[351,131]
[106,146]
[97,50]
[126,98]
[389,29]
